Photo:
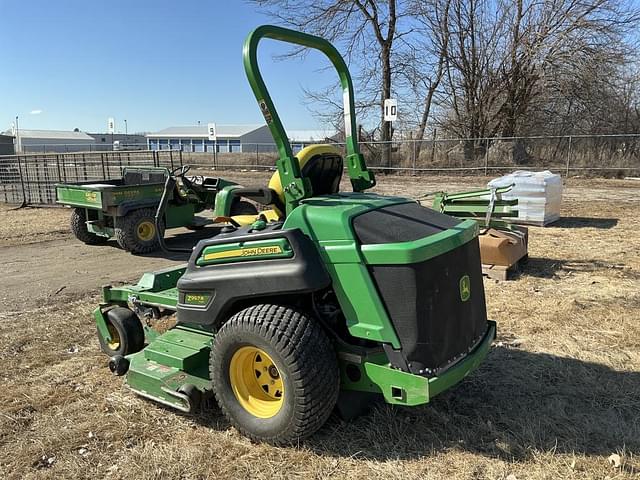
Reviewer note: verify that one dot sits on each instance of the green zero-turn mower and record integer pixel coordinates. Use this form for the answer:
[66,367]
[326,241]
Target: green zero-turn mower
[344,297]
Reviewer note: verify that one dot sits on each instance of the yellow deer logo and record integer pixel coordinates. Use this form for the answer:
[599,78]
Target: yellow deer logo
[465,288]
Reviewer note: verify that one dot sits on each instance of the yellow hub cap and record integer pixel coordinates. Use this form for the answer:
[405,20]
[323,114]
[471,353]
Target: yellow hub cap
[256,382]
[114,344]
[146,231]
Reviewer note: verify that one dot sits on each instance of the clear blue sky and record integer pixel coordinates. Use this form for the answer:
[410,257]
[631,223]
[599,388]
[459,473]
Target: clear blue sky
[155,63]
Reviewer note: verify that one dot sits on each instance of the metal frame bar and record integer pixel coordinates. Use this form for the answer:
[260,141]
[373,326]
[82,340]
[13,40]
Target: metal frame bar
[295,187]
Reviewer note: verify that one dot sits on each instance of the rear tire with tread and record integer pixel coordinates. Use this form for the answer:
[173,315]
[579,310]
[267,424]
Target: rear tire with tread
[242,207]
[305,358]
[80,230]
[127,231]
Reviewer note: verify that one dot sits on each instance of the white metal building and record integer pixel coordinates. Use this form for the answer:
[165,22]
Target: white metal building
[229,138]
[36,141]
[301,138]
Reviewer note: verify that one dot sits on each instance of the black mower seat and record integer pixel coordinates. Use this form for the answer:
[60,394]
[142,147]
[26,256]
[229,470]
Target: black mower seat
[325,172]
[321,164]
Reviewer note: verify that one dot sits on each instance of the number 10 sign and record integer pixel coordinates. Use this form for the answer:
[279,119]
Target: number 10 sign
[390,110]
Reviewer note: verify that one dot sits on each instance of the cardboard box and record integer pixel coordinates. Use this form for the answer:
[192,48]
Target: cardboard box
[502,247]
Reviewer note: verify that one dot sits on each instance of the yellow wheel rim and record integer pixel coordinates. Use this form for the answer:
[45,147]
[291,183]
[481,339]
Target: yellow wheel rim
[256,382]
[146,231]
[114,344]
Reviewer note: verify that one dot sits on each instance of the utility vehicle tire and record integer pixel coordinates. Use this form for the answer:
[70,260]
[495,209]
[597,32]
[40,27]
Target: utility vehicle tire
[274,373]
[136,231]
[242,207]
[127,334]
[79,228]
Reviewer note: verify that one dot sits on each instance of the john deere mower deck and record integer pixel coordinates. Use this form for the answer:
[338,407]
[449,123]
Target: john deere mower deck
[326,299]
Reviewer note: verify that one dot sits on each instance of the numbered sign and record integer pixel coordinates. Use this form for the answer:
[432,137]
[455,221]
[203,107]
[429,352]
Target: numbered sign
[211,130]
[390,110]
[111,125]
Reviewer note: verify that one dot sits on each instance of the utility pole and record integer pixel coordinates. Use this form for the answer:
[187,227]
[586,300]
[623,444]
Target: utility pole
[18,146]
[111,127]
[126,131]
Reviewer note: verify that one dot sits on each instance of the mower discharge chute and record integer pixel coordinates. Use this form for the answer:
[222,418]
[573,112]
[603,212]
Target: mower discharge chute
[343,298]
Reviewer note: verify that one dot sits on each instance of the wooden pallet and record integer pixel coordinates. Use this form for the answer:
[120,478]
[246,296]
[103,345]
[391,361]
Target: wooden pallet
[500,272]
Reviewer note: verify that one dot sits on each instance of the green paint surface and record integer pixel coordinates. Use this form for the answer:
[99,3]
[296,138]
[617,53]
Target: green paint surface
[421,249]
[404,388]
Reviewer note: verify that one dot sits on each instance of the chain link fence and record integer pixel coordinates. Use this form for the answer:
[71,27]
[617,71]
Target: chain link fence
[31,179]
[602,155]
[37,148]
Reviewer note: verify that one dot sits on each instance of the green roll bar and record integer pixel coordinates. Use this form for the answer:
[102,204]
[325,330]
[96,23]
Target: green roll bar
[295,187]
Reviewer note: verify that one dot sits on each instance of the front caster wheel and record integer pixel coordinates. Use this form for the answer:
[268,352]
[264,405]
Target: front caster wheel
[118,365]
[125,330]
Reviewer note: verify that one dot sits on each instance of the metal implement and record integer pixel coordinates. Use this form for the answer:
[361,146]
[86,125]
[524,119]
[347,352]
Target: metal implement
[484,204]
[502,244]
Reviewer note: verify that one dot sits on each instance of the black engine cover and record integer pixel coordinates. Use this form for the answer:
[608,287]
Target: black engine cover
[434,325]
[230,283]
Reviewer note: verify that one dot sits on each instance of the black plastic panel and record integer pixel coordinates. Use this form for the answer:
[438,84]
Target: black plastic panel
[141,177]
[400,223]
[232,282]
[423,300]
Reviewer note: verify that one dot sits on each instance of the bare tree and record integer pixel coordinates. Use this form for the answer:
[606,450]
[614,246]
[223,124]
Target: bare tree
[367,28]
[425,57]
[560,34]
[480,68]
[510,63]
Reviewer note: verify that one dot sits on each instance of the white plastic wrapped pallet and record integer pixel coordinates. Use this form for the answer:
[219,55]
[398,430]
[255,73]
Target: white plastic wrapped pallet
[539,195]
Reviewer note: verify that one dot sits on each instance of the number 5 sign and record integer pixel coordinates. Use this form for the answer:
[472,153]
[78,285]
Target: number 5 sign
[390,110]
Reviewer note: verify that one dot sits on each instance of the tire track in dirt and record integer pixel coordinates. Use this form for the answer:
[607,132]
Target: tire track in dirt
[58,270]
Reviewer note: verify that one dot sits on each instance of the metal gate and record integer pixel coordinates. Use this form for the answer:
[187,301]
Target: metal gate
[31,179]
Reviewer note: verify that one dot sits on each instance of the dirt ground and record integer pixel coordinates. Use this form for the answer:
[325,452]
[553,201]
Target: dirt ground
[558,395]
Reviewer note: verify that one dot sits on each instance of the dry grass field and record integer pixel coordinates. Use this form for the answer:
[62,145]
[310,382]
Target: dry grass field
[558,395]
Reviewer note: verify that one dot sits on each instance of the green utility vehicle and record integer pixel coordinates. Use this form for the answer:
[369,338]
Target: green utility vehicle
[345,297]
[125,208]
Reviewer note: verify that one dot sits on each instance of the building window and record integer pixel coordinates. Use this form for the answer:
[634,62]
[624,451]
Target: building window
[223,146]
[235,146]
[185,145]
